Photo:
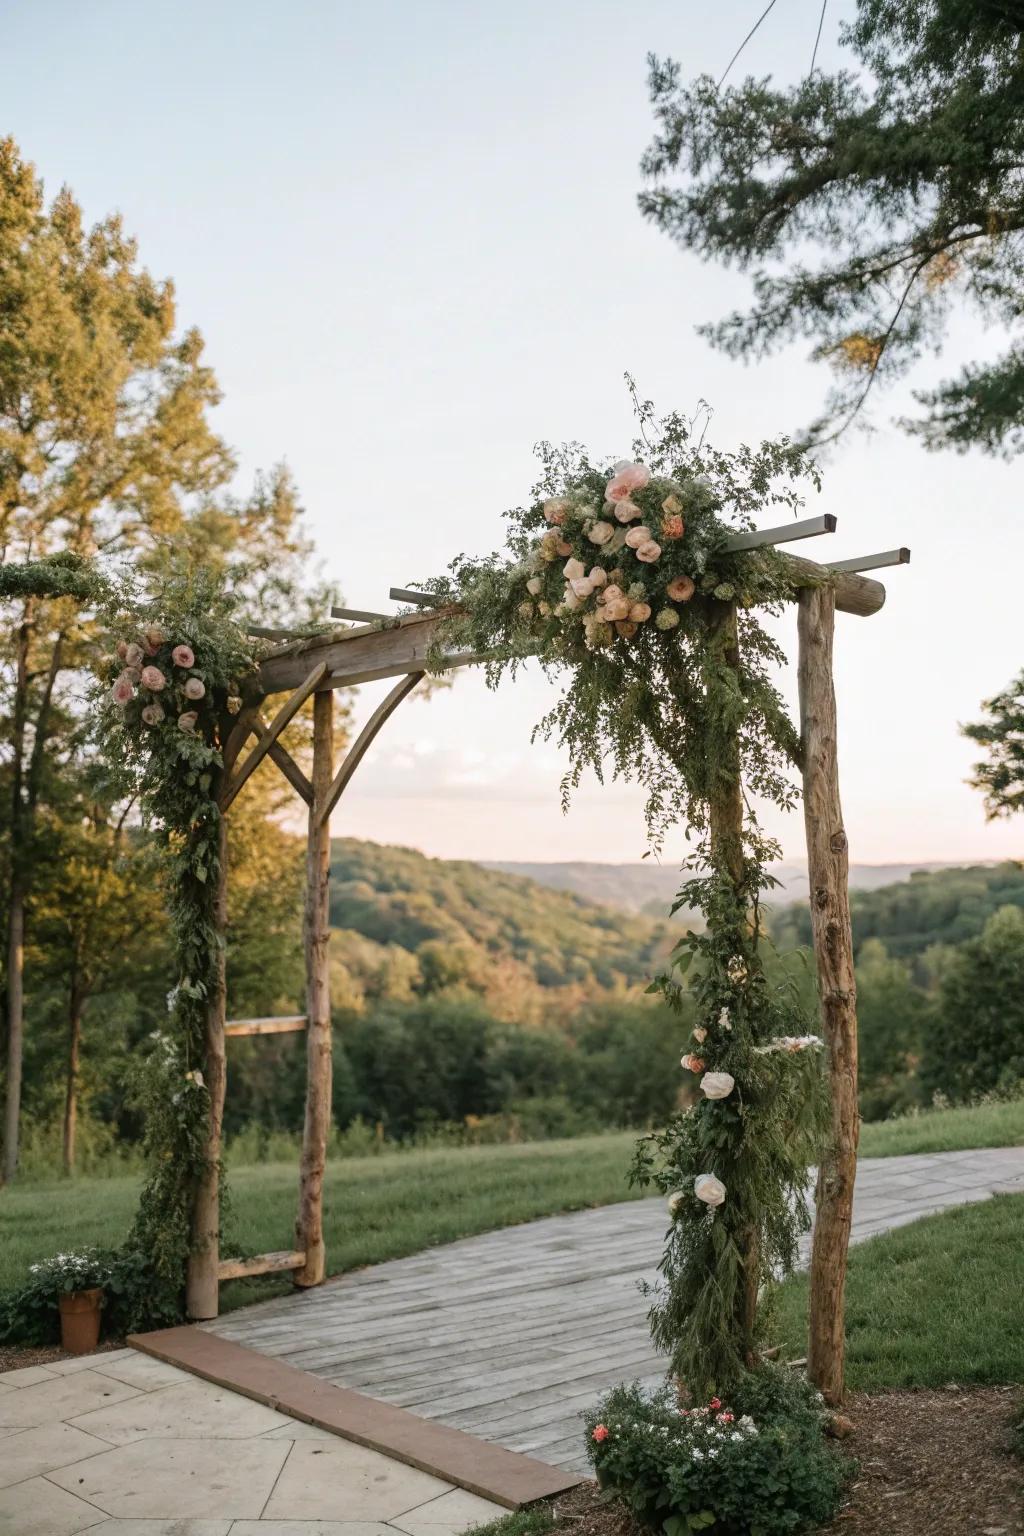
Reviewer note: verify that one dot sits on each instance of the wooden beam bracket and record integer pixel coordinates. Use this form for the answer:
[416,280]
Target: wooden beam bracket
[286,1024]
[358,749]
[285,715]
[283,760]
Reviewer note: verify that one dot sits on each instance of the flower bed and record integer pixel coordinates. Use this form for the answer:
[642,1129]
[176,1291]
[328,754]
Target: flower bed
[758,1466]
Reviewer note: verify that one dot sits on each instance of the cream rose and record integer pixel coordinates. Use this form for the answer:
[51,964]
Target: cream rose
[600,532]
[572,569]
[649,552]
[188,722]
[183,656]
[535,586]
[709,1189]
[675,1200]
[637,536]
[153,679]
[717,1085]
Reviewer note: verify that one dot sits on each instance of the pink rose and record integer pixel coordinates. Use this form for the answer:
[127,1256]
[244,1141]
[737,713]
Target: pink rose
[183,656]
[152,714]
[153,679]
[600,1432]
[195,688]
[681,589]
[188,722]
[123,690]
[122,649]
[692,1063]
[649,552]
[134,655]
[626,510]
[627,478]
[637,536]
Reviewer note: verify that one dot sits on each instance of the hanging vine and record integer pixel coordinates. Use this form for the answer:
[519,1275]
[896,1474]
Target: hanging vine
[620,576]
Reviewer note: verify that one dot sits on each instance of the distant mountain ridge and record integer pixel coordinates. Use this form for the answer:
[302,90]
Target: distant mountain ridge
[651,888]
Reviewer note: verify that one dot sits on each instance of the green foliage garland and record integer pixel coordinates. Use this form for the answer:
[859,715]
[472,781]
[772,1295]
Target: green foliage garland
[173,693]
[657,692]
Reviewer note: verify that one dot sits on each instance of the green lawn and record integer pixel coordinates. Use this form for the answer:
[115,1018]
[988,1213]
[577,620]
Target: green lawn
[934,1302]
[946,1130]
[374,1207]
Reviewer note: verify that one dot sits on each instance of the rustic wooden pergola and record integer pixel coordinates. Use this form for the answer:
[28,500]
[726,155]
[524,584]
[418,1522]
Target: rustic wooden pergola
[378,646]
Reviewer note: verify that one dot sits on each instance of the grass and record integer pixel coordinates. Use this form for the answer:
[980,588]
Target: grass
[946,1130]
[375,1208]
[934,1302]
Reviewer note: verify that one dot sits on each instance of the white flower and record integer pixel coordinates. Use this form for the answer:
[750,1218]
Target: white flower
[724,1021]
[700,1035]
[535,586]
[709,1189]
[717,1085]
[791,1044]
[674,1201]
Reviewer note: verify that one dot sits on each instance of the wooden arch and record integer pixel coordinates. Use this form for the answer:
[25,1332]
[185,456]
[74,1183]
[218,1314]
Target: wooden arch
[381,646]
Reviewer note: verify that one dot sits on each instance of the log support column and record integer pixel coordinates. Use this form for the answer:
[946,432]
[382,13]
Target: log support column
[828,872]
[316,1130]
[201,1283]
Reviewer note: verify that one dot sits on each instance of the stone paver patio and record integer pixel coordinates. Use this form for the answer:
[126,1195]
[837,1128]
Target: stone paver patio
[510,1335]
[118,1444]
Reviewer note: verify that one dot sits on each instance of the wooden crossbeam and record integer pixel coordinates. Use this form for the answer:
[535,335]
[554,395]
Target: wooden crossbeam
[289,709]
[357,615]
[286,1024]
[283,760]
[872,562]
[785,533]
[418,599]
[260,1264]
[357,751]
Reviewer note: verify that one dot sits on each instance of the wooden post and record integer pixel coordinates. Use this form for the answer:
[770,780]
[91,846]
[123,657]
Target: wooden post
[309,1222]
[828,874]
[201,1285]
[725,816]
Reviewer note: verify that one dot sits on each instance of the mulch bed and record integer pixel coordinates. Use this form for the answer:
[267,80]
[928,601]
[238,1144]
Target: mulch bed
[931,1463]
[15,1358]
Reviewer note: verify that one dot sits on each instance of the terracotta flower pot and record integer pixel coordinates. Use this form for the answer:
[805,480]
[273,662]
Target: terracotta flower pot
[80,1320]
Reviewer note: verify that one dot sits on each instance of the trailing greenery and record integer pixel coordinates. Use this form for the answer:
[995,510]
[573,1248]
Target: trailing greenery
[873,201]
[619,574]
[1000,776]
[757,1465]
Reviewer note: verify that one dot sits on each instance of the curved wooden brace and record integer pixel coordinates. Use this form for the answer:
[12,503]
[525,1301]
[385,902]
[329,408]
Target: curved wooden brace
[355,754]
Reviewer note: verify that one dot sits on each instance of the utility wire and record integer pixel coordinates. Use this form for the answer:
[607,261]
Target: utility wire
[817,40]
[745,41]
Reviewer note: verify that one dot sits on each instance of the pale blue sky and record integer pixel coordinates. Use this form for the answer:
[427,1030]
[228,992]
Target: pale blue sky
[408,233]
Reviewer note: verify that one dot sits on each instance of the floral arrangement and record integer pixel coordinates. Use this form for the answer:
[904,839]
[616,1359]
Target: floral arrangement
[760,1468]
[619,577]
[67,1272]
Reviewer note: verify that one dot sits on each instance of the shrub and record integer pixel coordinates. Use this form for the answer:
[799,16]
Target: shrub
[761,1467]
[135,1299]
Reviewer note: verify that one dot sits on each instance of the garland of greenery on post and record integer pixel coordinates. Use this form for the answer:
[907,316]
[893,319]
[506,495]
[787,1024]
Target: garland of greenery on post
[620,574]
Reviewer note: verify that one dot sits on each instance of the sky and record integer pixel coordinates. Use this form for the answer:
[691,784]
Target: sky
[408,233]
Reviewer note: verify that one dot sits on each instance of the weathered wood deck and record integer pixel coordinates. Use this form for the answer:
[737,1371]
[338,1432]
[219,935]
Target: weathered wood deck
[511,1335]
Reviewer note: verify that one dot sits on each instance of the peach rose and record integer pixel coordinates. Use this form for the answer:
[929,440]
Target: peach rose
[637,536]
[563,547]
[626,510]
[152,714]
[626,628]
[153,679]
[672,527]
[555,509]
[628,477]
[649,552]
[183,656]
[188,722]
[600,532]
[572,569]
[692,1063]
[123,690]
[582,586]
[195,688]
[614,609]
[134,655]
[611,593]
[640,612]
[598,576]
[680,589]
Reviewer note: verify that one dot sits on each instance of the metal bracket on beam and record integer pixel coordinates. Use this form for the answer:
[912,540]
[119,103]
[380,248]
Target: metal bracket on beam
[872,562]
[787,533]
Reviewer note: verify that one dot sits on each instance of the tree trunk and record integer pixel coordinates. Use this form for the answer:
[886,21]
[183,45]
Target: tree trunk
[828,872]
[75,1007]
[202,1285]
[725,814]
[15,1023]
[316,1130]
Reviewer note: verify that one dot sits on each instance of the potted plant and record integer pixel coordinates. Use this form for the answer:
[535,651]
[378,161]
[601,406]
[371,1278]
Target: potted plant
[77,1281]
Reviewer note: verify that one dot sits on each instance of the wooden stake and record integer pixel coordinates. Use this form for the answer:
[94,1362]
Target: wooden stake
[828,873]
[309,1222]
[201,1299]
[725,808]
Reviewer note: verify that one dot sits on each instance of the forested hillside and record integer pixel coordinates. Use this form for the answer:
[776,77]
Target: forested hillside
[945,907]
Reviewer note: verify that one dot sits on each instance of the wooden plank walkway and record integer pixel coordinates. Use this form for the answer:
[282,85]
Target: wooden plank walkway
[512,1334]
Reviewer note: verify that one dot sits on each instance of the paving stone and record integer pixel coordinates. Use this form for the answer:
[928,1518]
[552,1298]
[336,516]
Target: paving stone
[142,1371]
[44,1449]
[37,1508]
[164,1479]
[342,1481]
[25,1376]
[449,1515]
[295,1429]
[99,1360]
[61,1397]
[190,1410]
[162,1528]
[309,1528]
